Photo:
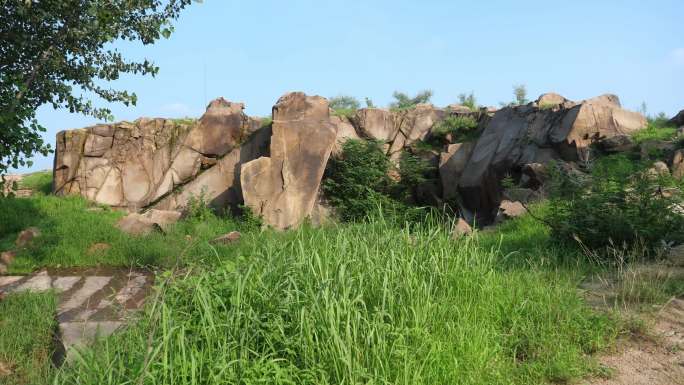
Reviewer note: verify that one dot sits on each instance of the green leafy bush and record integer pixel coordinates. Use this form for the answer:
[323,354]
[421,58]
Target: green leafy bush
[405,102]
[357,180]
[461,128]
[358,185]
[468,100]
[654,132]
[621,204]
[344,105]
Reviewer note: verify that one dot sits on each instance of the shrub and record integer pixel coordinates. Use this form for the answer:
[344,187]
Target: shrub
[344,105]
[468,100]
[654,131]
[461,128]
[405,102]
[357,180]
[358,185]
[619,205]
[413,171]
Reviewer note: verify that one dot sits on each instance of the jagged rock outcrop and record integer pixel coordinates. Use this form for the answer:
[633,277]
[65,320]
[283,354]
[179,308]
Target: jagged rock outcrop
[677,120]
[452,163]
[132,164]
[521,135]
[283,188]
[229,158]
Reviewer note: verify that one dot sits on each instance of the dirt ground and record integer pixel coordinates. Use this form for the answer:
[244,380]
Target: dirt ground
[654,357]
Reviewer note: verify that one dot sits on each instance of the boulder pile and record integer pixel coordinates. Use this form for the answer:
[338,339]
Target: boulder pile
[275,167]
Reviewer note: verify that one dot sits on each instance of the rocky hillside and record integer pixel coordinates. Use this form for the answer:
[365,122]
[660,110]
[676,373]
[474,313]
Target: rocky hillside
[275,166]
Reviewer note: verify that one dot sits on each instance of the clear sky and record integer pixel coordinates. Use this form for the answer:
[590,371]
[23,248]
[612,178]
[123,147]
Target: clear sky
[255,51]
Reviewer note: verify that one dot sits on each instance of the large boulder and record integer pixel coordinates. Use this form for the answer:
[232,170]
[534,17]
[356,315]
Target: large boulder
[133,164]
[219,186]
[283,188]
[522,135]
[452,163]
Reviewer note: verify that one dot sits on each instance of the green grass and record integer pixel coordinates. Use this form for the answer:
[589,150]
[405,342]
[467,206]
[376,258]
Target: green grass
[653,132]
[40,182]
[356,303]
[69,229]
[27,322]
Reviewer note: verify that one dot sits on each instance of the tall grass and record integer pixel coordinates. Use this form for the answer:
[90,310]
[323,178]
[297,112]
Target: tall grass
[69,229]
[357,303]
[27,323]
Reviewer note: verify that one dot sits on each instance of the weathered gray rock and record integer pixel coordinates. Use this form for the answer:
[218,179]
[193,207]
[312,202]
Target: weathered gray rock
[659,169]
[219,186]
[452,163]
[461,229]
[345,131]
[677,120]
[27,236]
[551,99]
[617,143]
[7,257]
[376,123]
[522,135]
[134,164]
[678,164]
[283,188]
[141,224]
[510,209]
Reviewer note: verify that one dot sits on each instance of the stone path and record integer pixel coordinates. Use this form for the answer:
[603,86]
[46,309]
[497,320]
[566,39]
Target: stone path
[91,303]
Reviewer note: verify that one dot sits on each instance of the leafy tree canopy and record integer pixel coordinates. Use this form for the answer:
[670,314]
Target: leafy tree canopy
[403,101]
[56,51]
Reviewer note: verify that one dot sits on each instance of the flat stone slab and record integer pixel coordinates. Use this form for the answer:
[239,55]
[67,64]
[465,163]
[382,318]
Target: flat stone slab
[91,304]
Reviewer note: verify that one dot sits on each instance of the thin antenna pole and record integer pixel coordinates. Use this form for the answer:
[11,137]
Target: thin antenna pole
[205,84]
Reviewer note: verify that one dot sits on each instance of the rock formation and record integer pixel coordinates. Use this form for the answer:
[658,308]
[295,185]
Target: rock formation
[229,158]
[132,165]
[283,188]
[522,135]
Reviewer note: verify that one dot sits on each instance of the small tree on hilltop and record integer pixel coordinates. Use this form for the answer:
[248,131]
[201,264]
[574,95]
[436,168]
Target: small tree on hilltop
[403,101]
[53,52]
[520,92]
[344,104]
[468,100]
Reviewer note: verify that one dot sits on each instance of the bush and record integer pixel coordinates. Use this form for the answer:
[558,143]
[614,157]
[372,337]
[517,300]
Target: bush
[358,185]
[344,105]
[654,131]
[357,180]
[468,100]
[405,102]
[619,205]
[461,128]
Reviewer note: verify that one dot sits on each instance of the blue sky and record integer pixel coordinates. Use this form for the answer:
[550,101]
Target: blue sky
[255,51]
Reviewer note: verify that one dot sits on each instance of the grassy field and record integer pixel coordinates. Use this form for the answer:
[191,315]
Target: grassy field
[374,303]
[27,322]
[70,226]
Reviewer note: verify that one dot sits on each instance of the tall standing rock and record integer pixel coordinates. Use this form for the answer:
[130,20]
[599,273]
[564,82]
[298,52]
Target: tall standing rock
[283,188]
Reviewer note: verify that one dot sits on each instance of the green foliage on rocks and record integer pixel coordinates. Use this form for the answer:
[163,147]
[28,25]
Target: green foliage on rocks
[621,204]
[358,183]
[461,128]
[403,101]
[344,105]
[468,100]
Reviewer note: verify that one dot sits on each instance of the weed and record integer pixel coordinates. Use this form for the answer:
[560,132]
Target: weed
[356,303]
[27,322]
